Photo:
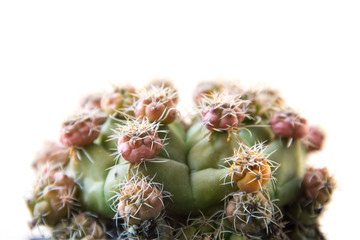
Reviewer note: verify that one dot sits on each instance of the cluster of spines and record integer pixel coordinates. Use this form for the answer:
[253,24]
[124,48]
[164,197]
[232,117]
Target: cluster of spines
[139,208]
[250,214]
[138,140]
[81,129]
[55,198]
[222,111]
[80,226]
[156,104]
[118,101]
[138,199]
[263,103]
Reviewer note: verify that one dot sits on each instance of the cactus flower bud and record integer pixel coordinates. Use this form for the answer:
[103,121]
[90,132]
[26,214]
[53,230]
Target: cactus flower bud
[120,99]
[250,169]
[81,130]
[139,201]
[314,139]
[53,154]
[222,112]
[249,213]
[138,141]
[289,125]
[204,89]
[91,102]
[318,185]
[55,198]
[157,105]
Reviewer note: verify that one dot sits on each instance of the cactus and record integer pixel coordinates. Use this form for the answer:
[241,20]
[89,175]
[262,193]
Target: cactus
[130,166]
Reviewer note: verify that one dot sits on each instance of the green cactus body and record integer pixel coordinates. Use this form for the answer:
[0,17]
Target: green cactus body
[105,138]
[90,169]
[175,144]
[203,178]
[195,134]
[224,176]
[236,237]
[197,191]
[255,134]
[210,152]
[290,173]
[307,233]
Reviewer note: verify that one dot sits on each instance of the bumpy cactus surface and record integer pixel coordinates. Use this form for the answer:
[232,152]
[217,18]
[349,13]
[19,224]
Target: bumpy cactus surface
[128,165]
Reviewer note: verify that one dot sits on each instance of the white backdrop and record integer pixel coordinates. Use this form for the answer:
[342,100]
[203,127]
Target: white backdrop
[52,53]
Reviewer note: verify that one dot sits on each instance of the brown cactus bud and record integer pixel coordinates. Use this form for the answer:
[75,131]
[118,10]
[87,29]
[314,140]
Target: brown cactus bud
[318,185]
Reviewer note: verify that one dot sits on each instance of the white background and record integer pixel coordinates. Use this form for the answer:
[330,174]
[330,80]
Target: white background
[54,52]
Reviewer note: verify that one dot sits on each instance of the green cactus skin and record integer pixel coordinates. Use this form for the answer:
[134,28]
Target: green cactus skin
[210,152]
[236,237]
[147,230]
[185,197]
[201,178]
[193,172]
[105,138]
[175,145]
[90,169]
[306,233]
[290,173]
[255,134]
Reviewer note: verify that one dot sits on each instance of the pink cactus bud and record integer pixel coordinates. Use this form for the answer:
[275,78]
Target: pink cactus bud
[314,139]
[139,141]
[217,119]
[118,100]
[157,105]
[110,103]
[154,110]
[61,179]
[289,125]
[80,131]
[164,83]
[136,150]
[164,112]
[205,88]
[91,103]
[53,154]
[222,111]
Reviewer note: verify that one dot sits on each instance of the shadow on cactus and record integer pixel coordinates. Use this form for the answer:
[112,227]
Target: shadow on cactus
[128,165]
